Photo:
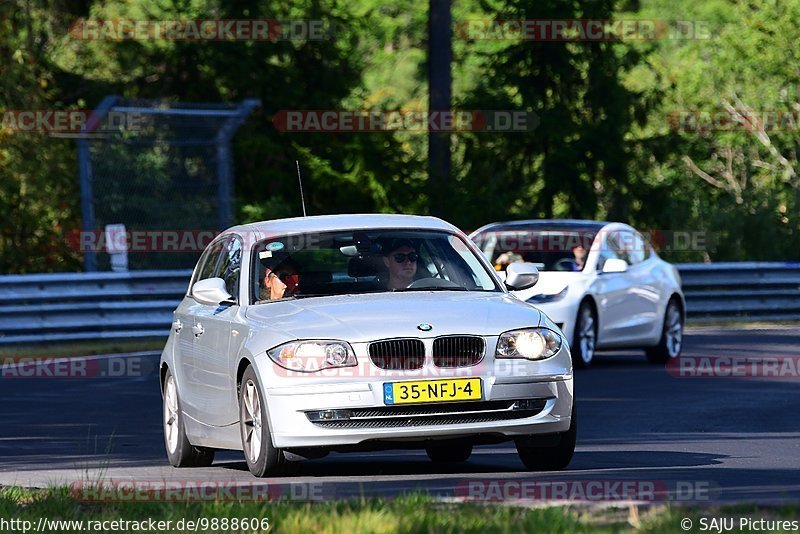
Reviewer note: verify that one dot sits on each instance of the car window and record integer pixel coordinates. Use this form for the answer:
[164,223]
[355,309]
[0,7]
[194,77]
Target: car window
[548,248]
[608,250]
[647,248]
[619,243]
[636,247]
[365,261]
[210,261]
[230,266]
[471,260]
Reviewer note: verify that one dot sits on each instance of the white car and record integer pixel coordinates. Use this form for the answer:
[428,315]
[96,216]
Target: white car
[601,283]
[359,332]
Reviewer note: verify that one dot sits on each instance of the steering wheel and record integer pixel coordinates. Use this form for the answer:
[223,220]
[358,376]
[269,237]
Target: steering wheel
[565,264]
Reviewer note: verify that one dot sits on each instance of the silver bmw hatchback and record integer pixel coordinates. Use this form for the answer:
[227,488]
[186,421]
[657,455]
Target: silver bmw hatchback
[302,336]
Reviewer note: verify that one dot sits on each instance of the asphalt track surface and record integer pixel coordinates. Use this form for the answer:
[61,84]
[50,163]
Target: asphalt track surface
[696,439]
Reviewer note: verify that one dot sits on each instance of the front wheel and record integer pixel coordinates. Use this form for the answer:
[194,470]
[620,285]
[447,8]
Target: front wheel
[551,458]
[585,336]
[261,456]
[671,342]
[180,452]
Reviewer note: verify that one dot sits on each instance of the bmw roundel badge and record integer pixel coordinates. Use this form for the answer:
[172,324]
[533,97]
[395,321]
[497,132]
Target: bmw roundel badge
[425,327]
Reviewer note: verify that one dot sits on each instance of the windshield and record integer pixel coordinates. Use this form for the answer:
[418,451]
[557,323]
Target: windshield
[365,261]
[548,249]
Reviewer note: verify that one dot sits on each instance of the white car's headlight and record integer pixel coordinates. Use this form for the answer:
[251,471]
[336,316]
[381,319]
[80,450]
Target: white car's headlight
[313,355]
[530,343]
[542,299]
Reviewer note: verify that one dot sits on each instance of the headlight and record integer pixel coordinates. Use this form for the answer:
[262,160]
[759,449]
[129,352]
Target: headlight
[541,299]
[530,343]
[313,355]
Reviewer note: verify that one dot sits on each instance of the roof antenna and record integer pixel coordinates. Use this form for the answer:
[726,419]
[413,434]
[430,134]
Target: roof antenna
[300,180]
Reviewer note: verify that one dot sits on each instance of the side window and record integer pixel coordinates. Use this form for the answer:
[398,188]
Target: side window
[637,249]
[609,249]
[210,260]
[647,247]
[231,266]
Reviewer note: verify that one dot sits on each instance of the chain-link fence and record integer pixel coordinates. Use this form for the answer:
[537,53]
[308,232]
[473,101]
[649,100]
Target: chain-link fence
[164,171]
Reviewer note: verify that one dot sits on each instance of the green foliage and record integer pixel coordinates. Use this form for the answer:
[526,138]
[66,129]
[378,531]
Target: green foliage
[604,146]
[38,192]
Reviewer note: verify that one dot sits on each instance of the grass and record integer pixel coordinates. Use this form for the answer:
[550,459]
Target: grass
[407,513]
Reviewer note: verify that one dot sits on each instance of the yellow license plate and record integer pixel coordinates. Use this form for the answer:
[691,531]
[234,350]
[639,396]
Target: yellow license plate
[459,389]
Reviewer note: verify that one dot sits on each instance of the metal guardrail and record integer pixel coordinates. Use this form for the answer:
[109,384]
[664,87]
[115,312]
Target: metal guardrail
[82,306]
[741,291]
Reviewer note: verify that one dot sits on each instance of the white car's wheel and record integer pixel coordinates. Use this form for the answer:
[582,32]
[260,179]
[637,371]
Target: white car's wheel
[180,452]
[585,337]
[671,342]
[261,456]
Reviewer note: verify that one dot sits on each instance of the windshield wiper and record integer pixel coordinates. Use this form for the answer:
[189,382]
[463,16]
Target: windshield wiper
[433,288]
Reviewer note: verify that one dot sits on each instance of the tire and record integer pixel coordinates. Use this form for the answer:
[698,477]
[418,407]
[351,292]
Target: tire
[584,339]
[671,342]
[449,452]
[180,452]
[552,458]
[261,456]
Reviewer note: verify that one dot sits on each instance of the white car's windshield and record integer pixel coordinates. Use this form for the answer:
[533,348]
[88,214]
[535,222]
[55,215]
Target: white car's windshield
[550,249]
[365,261]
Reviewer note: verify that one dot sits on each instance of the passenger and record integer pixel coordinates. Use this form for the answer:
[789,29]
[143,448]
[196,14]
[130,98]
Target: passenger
[400,259]
[505,259]
[281,281]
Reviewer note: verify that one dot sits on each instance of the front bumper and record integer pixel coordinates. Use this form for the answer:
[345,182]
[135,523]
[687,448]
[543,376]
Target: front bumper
[545,385]
[563,313]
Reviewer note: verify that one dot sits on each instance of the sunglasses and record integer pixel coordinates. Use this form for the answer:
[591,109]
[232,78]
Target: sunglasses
[287,278]
[402,257]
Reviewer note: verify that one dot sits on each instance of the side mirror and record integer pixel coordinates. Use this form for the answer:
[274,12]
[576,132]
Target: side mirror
[521,275]
[615,265]
[211,291]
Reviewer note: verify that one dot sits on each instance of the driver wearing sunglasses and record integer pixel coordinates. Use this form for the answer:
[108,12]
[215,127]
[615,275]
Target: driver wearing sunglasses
[280,282]
[401,261]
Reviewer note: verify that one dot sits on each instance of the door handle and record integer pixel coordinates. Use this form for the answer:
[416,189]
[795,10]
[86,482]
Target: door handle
[197,330]
[177,325]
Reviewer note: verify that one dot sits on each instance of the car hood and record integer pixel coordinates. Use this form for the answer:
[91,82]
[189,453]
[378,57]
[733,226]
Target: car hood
[368,317]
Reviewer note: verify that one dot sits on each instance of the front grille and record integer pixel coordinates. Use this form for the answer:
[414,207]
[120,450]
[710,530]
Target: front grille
[397,354]
[458,351]
[456,413]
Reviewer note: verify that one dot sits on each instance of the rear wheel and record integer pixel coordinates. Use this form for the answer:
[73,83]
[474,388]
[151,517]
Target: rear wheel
[180,452]
[551,458]
[671,342]
[261,456]
[585,336]
[452,452]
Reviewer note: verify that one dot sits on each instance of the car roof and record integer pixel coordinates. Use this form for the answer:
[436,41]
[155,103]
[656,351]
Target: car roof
[332,223]
[574,225]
